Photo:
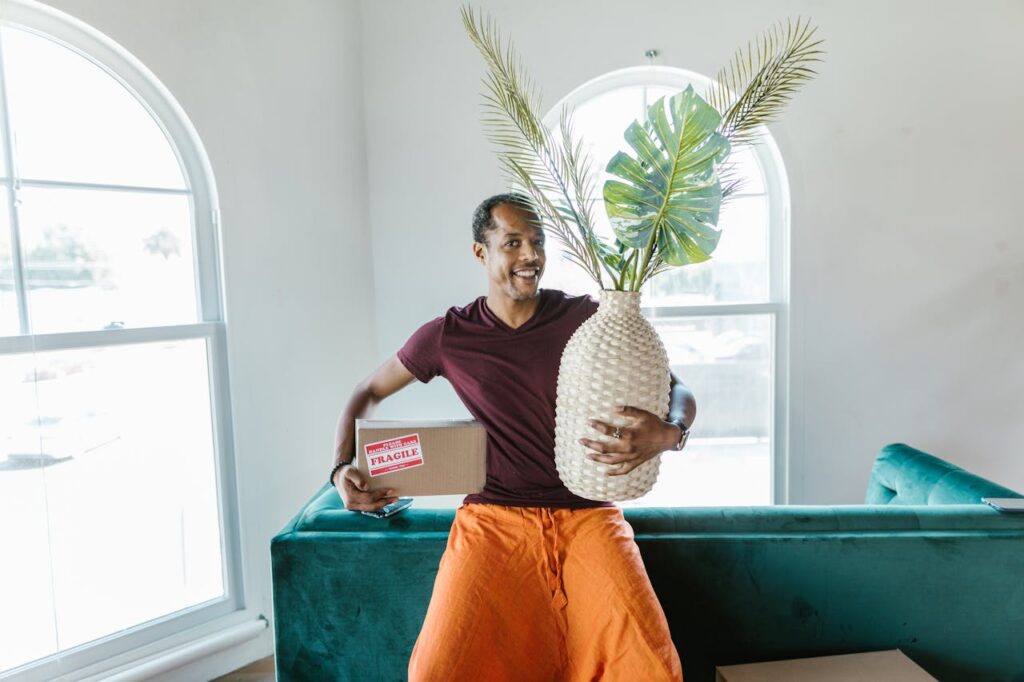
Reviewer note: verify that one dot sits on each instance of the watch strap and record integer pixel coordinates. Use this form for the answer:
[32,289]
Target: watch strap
[683,435]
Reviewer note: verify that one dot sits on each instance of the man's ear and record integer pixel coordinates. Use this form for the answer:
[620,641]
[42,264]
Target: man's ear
[480,252]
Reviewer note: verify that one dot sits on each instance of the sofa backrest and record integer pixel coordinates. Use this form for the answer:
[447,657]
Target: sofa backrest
[904,475]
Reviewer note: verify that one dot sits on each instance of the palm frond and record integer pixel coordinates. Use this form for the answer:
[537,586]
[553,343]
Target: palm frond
[655,267]
[558,175]
[552,215]
[660,266]
[757,84]
[528,154]
[731,180]
[580,168]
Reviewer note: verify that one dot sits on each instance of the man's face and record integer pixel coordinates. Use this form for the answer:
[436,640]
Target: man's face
[514,253]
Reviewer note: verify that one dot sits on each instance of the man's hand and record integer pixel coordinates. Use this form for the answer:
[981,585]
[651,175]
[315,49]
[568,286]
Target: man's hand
[355,493]
[647,436]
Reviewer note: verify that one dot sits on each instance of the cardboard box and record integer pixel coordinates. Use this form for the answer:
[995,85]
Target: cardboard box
[872,666]
[423,457]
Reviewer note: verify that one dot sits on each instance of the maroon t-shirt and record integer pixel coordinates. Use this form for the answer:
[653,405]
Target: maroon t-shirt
[506,378]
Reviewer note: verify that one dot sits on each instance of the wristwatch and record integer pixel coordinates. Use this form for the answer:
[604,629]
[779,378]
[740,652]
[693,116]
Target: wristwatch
[682,436]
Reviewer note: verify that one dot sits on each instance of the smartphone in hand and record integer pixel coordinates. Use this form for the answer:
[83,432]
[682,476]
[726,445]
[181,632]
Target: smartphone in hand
[1006,504]
[390,509]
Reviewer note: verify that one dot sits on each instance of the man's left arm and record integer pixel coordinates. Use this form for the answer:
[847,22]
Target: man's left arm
[647,434]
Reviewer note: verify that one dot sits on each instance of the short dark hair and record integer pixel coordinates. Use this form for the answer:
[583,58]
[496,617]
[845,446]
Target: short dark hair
[483,221]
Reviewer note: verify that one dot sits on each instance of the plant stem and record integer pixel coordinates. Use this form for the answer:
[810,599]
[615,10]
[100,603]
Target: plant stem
[648,252]
[625,270]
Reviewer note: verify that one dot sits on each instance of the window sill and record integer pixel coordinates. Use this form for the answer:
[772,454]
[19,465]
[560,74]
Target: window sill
[162,656]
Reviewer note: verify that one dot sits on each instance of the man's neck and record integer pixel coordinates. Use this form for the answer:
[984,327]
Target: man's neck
[510,311]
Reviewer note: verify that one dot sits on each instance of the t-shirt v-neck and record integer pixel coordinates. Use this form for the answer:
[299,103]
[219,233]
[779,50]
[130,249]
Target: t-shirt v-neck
[500,323]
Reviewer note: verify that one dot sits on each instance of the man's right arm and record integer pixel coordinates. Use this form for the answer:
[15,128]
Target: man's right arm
[353,487]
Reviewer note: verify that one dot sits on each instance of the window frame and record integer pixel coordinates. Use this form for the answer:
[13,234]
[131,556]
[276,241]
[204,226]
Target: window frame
[776,192]
[149,638]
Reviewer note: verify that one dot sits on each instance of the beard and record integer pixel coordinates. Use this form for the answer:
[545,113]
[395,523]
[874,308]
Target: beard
[522,290]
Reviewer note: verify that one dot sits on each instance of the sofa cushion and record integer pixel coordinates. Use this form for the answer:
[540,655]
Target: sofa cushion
[904,475]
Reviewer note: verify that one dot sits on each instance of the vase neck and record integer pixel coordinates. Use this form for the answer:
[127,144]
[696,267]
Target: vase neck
[619,302]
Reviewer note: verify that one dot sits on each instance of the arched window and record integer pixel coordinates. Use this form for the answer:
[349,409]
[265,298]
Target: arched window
[723,321]
[116,492]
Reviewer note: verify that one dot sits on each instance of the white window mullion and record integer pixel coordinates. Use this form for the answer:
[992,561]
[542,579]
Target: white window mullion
[723,309]
[780,409]
[62,184]
[223,436]
[105,337]
[10,171]
[207,258]
[777,187]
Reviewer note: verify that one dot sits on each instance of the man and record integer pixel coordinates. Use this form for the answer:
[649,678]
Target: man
[536,583]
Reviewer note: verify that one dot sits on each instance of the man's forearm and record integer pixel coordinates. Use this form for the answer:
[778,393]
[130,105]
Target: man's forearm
[360,406]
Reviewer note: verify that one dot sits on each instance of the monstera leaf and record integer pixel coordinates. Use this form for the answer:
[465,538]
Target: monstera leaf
[669,194]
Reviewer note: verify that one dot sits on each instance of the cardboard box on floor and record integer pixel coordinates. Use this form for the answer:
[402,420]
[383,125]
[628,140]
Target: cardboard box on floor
[871,666]
[422,457]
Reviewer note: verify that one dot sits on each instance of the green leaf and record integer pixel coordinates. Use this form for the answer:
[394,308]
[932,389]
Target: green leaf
[757,84]
[612,257]
[669,194]
[556,177]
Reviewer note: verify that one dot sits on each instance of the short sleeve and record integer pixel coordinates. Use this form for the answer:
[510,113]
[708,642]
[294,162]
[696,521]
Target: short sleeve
[421,354]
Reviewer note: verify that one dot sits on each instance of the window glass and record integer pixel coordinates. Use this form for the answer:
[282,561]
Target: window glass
[27,622]
[76,123]
[738,269]
[98,259]
[131,526]
[744,166]
[726,362]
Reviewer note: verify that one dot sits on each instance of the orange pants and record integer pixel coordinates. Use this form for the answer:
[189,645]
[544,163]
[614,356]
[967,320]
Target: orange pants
[531,593]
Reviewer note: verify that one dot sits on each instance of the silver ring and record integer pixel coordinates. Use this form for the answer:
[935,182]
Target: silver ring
[617,434]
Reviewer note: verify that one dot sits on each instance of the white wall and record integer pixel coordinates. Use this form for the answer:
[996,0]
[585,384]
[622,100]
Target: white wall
[904,156]
[274,91]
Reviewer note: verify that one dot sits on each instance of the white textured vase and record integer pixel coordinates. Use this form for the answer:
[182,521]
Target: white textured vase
[614,358]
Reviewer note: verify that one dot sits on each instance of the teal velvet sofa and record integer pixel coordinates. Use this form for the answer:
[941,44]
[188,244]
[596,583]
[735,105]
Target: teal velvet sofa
[922,566]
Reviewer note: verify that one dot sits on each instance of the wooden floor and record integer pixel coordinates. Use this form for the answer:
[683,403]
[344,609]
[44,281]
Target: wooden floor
[260,671]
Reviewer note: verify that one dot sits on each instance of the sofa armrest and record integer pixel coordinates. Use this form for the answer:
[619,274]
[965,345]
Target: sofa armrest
[325,513]
[904,475]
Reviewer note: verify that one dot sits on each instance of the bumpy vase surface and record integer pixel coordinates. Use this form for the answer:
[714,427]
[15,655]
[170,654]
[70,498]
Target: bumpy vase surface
[614,358]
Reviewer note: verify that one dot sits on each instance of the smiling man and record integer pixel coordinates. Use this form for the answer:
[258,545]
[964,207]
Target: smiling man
[535,583]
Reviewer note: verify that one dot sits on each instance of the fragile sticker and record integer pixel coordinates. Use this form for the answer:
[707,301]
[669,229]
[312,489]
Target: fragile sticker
[395,454]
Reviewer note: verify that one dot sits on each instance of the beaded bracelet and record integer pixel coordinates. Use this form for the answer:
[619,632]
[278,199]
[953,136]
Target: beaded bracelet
[330,479]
